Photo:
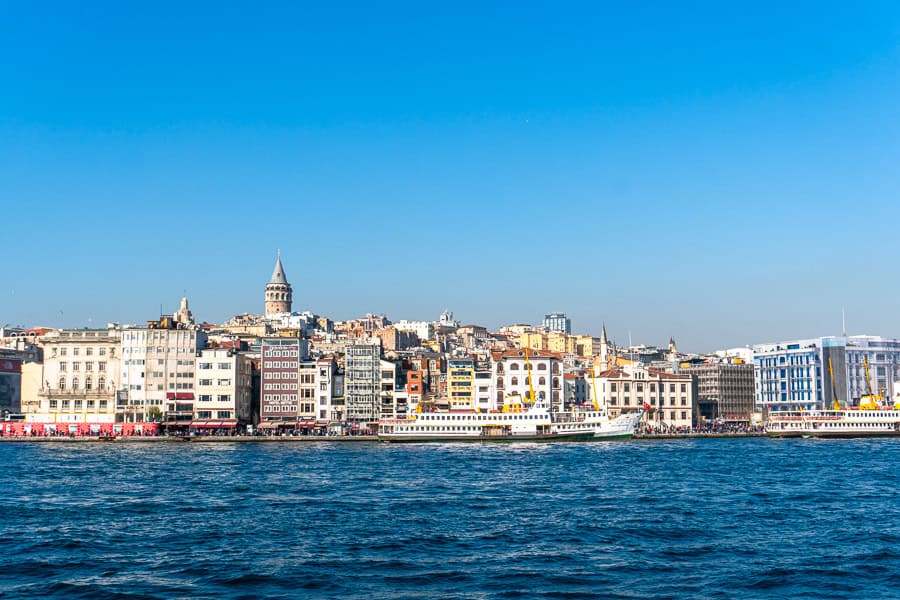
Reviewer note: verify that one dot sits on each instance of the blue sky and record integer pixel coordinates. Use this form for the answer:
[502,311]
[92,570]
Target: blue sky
[724,174]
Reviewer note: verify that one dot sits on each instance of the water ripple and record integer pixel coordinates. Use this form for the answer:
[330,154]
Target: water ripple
[688,518]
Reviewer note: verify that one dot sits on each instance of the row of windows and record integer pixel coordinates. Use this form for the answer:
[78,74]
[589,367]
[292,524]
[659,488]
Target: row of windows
[88,366]
[626,387]
[626,401]
[280,364]
[79,405]
[88,383]
[87,351]
[219,398]
[207,414]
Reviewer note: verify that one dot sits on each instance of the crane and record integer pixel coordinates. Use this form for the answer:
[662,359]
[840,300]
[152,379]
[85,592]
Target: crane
[870,400]
[530,384]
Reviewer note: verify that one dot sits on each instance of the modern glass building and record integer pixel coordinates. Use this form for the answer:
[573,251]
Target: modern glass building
[795,374]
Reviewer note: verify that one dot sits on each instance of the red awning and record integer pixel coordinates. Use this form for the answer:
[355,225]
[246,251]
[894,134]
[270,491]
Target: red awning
[184,395]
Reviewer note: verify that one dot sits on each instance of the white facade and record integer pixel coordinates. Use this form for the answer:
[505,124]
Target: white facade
[79,376]
[157,369]
[629,388]
[424,330]
[510,377]
[222,385]
[795,374]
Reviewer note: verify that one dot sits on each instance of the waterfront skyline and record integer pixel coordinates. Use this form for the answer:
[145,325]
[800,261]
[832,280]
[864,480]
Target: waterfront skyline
[723,178]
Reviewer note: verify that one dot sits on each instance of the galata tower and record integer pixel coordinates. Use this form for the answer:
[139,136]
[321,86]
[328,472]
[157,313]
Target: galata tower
[278,291]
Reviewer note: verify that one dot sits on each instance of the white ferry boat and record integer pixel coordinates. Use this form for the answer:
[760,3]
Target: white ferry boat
[881,421]
[536,423]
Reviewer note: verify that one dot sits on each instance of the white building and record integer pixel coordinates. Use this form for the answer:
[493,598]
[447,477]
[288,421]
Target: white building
[157,370]
[629,388]
[79,376]
[510,377]
[222,388]
[424,330]
[795,374]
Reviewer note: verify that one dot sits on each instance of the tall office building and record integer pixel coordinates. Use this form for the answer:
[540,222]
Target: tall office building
[558,322]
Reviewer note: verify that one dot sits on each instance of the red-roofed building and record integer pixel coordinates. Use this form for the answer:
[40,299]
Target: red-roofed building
[510,379]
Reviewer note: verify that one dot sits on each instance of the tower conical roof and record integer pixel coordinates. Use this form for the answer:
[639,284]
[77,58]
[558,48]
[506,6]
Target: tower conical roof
[278,274]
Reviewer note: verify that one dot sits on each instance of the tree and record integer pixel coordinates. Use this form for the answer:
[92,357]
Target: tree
[154,414]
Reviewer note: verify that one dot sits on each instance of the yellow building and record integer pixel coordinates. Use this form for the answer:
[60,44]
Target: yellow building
[461,383]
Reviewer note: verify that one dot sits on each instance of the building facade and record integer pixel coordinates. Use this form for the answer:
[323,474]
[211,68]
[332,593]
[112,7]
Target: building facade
[461,383]
[80,376]
[724,391]
[797,374]
[511,381]
[157,372]
[222,388]
[667,397]
[362,382]
[279,376]
[557,322]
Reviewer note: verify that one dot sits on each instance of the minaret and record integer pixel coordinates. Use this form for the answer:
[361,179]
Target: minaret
[278,291]
[604,349]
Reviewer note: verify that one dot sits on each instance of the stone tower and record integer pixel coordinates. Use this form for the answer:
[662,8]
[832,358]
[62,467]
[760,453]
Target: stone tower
[278,291]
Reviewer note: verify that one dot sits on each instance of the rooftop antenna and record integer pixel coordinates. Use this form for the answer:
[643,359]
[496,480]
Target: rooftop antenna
[843,323]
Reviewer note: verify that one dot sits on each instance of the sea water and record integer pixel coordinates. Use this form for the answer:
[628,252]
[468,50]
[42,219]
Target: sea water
[715,518]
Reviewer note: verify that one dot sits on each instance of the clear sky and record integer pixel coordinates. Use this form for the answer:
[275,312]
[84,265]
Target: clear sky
[726,173]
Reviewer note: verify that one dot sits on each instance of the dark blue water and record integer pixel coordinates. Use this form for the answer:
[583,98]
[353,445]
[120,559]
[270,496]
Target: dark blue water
[669,519]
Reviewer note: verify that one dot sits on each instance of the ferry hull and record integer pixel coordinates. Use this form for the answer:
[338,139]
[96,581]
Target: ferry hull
[834,434]
[579,437]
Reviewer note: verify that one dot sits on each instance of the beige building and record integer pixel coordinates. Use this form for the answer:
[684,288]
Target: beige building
[631,387]
[79,377]
[222,388]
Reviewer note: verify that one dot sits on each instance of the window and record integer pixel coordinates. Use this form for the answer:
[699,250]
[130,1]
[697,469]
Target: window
[224,398]
[89,366]
[76,366]
[101,366]
[62,351]
[612,386]
[62,383]
[88,351]
[683,388]
[223,414]
[204,414]
[88,383]
[74,383]
[102,352]
[514,381]
[62,367]
[206,382]
[101,383]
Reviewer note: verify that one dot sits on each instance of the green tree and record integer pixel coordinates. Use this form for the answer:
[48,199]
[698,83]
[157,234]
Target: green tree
[154,414]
